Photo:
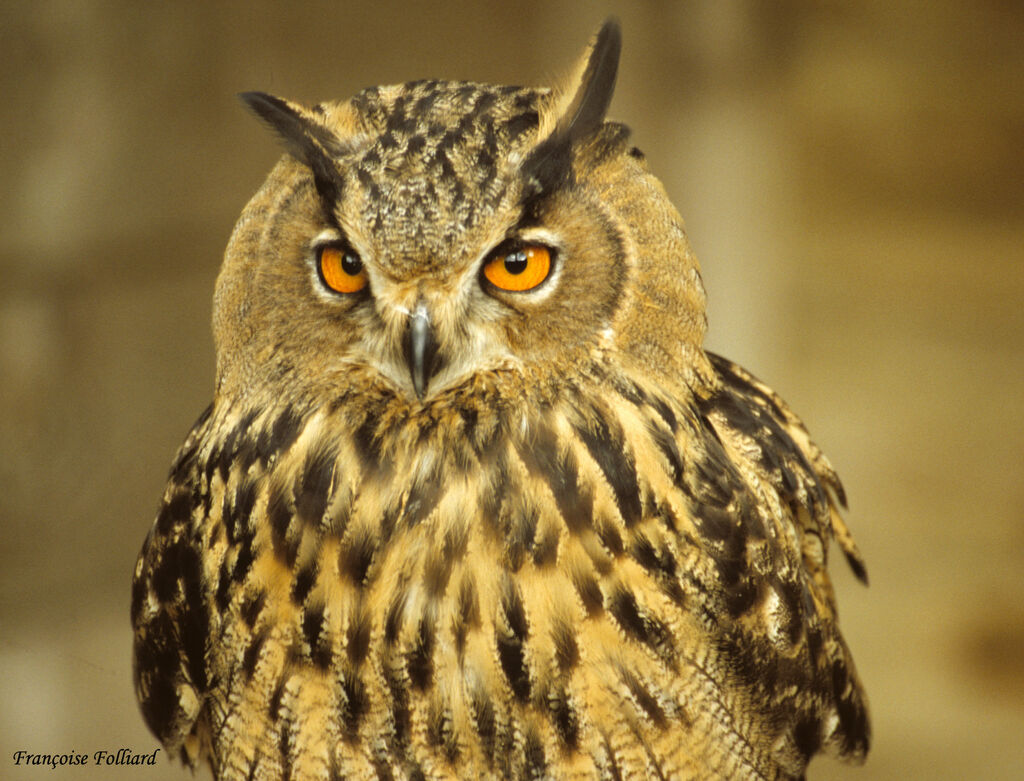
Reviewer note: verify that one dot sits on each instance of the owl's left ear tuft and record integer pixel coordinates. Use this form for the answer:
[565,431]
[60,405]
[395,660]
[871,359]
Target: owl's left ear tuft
[579,111]
[304,138]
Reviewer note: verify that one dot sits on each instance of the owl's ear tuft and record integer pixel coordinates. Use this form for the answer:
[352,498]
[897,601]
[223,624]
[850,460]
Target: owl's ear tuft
[585,112]
[578,111]
[304,138]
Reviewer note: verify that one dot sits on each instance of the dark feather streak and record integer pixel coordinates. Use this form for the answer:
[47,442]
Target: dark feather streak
[549,166]
[307,141]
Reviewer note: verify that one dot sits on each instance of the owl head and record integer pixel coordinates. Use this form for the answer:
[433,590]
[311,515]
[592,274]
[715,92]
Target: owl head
[433,235]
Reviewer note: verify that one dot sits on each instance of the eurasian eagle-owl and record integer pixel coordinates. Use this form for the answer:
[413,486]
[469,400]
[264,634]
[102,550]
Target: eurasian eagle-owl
[471,499]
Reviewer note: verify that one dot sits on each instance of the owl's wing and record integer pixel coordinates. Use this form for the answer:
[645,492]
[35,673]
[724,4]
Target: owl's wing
[798,659]
[169,611]
[768,419]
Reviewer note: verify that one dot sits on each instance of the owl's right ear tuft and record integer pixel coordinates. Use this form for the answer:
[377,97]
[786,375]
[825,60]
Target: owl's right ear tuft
[304,138]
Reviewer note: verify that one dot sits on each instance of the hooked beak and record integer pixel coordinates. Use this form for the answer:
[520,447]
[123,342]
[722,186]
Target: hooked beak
[420,349]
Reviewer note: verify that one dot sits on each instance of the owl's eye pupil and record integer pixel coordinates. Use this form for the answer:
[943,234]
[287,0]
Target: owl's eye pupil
[516,262]
[351,264]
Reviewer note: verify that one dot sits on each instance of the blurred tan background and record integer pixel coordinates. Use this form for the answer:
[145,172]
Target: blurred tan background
[852,178]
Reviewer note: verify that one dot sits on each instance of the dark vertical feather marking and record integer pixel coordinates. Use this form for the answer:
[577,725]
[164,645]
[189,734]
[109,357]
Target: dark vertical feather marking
[244,501]
[313,490]
[567,652]
[666,443]
[139,592]
[661,564]
[312,623]
[521,516]
[639,624]
[252,653]
[224,455]
[400,712]
[467,612]
[355,702]
[357,636]
[606,444]
[286,747]
[275,439]
[854,719]
[355,558]
[274,705]
[367,441]
[228,518]
[511,644]
[156,674]
[392,623]
[564,717]
[320,650]
[251,608]
[304,582]
[222,597]
[279,515]
[643,697]
[542,458]
[245,443]
[339,509]
[484,721]
[807,736]
[814,642]
[333,771]
[859,569]
[164,577]
[195,619]
[609,536]
[419,661]
[589,590]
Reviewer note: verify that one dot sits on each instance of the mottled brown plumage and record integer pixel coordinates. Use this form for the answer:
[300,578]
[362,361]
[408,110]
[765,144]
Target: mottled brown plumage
[437,528]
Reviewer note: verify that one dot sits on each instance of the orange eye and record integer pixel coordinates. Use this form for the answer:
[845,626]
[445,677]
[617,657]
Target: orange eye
[520,269]
[341,269]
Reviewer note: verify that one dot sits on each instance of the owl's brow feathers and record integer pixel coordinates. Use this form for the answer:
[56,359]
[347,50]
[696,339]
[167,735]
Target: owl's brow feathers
[546,169]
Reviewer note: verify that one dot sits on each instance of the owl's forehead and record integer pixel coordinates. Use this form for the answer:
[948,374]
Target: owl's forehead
[435,156]
[422,118]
